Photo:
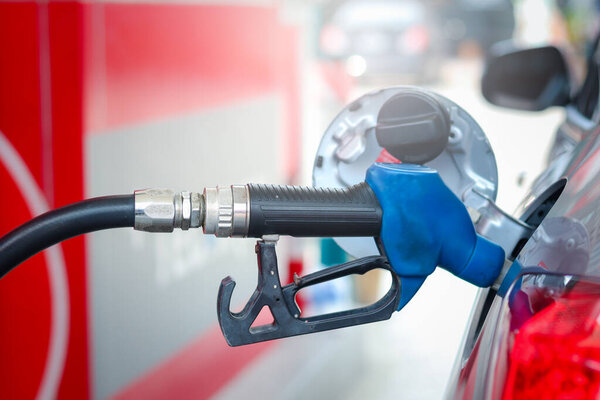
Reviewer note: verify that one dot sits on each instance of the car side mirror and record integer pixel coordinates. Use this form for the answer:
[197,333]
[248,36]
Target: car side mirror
[528,79]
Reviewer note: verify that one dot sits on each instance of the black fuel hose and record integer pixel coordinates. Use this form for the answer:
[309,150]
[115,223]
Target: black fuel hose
[64,223]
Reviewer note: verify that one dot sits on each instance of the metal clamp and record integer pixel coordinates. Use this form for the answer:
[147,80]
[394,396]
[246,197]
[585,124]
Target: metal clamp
[227,211]
[162,210]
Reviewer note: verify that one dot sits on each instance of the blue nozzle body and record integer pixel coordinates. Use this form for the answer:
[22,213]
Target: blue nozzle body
[425,225]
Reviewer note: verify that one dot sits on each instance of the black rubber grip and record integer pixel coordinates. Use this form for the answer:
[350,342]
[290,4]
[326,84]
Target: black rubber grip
[313,212]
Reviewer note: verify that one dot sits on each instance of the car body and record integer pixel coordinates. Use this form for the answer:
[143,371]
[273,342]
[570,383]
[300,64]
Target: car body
[536,336]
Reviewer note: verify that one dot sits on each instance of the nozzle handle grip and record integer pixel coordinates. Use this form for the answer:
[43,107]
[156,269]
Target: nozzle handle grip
[313,212]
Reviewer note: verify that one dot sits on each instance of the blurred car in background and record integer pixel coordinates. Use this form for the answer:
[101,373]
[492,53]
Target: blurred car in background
[381,38]
[536,336]
[473,26]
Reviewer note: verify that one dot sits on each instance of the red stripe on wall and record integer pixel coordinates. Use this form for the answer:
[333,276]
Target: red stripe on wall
[196,372]
[150,61]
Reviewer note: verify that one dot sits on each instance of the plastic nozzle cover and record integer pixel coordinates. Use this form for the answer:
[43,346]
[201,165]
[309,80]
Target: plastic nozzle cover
[426,225]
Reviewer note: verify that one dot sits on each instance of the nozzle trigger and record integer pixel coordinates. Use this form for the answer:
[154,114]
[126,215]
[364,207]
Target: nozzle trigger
[288,321]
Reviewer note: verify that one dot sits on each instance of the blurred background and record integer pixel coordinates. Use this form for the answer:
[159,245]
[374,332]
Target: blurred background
[98,98]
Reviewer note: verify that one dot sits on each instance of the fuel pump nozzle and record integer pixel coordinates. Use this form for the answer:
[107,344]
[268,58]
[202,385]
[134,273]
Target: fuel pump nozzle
[416,221]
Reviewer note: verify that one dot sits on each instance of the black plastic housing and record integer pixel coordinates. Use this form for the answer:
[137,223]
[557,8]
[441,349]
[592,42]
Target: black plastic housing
[313,212]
